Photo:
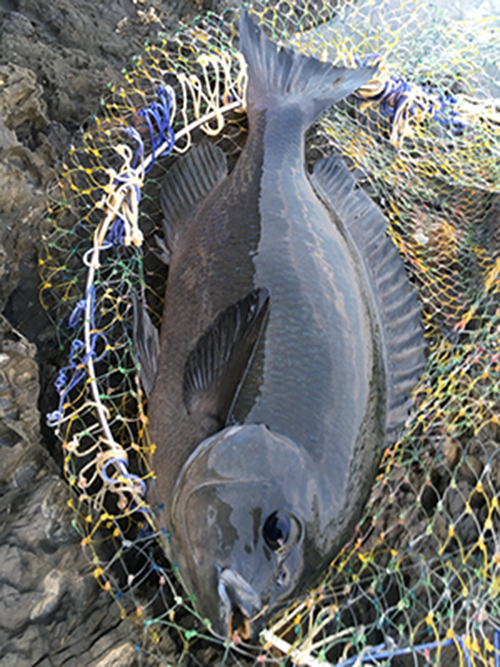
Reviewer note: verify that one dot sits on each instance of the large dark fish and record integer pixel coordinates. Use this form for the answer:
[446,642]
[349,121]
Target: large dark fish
[289,343]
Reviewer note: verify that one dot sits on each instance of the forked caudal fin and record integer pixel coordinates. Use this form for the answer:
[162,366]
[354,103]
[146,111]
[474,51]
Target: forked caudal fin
[279,76]
[397,306]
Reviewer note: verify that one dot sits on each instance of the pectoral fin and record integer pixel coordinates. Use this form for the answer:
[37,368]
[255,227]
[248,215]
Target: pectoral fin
[217,366]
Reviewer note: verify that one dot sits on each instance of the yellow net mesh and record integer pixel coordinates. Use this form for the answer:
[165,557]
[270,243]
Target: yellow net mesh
[419,581]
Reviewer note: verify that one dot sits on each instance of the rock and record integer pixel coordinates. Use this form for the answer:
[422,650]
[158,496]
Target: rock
[450,450]
[45,579]
[121,656]
[21,98]
[470,469]
[76,48]
[24,174]
[19,388]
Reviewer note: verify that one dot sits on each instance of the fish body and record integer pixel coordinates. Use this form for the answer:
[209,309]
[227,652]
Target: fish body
[278,375]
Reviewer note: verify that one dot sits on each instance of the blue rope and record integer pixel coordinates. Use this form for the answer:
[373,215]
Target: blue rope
[130,476]
[394,96]
[139,154]
[75,315]
[445,113]
[157,117]
[116,233]
[63,387]
[464,648]
[61,384]
[78,366]
[380,652]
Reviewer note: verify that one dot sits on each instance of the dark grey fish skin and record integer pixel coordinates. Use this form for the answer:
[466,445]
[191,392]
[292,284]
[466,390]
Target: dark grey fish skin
[273,384]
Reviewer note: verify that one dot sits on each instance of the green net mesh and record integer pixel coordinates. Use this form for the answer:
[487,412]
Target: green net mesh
[419,581]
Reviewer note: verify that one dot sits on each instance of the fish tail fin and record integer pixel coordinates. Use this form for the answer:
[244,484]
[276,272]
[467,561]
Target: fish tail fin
[278,76]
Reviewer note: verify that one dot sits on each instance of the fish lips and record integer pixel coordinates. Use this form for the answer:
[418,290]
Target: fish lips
[240,604]
[243,610]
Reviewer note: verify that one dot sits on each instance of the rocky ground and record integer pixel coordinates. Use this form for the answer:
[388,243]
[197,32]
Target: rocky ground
[56,60]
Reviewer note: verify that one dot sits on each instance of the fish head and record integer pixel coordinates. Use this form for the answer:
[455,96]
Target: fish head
[238,529]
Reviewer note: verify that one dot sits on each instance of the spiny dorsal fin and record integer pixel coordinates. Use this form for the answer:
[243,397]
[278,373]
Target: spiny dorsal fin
[187,183]
[217,366]
[397,305]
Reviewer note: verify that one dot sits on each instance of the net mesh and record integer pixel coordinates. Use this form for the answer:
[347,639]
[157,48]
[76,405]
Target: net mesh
[419,581]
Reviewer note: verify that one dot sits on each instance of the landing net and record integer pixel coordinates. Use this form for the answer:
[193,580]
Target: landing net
[419,581]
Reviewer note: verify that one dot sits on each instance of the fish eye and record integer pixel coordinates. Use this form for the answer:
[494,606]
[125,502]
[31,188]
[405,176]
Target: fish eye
[281,531]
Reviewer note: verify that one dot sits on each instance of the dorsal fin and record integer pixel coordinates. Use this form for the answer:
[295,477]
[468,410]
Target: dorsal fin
[397,306]
[218,364]
[186,184]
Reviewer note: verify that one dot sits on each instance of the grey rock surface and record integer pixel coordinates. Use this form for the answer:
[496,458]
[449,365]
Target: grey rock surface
[52,612]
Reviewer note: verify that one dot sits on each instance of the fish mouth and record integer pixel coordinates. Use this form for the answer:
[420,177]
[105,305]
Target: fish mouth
[240,604]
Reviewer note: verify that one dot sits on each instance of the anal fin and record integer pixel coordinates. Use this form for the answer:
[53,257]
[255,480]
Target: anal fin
[218,364]
[146,343]
[398,309]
